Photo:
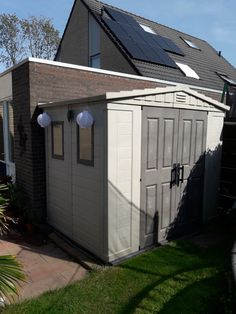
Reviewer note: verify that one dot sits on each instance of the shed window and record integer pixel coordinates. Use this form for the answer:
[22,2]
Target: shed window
[58,140]
[94,43]
[85,142]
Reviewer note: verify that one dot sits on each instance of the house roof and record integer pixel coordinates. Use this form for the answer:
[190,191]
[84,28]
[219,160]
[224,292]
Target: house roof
[205,61]
[180,95]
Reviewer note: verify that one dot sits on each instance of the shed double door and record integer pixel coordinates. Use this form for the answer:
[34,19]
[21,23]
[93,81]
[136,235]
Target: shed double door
[173,146]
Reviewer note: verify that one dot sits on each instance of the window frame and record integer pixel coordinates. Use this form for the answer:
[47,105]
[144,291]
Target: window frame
[187,70]
[94,50]
[147,29]
[85,161]
[190,43]
[55,156]
[226,79]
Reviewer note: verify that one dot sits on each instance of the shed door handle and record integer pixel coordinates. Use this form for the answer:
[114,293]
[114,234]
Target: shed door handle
[181,170]
[174,178]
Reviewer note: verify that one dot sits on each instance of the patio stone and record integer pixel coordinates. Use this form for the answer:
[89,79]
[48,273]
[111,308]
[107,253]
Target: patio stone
[46,267]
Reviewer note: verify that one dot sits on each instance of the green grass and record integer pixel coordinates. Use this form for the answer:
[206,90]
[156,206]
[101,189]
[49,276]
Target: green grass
[178,278]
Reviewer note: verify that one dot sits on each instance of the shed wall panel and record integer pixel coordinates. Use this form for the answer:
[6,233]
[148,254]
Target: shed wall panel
[88,187]
[212,164]
[124,149]
[59,206]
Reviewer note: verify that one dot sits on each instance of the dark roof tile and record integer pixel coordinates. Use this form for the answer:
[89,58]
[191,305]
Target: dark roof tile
[205,62]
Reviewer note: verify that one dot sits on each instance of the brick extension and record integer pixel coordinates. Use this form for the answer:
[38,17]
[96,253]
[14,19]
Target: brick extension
[35,83]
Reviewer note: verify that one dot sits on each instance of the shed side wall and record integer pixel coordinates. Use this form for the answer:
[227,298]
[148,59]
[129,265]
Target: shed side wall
[215,125]
[75,192]
[124,162]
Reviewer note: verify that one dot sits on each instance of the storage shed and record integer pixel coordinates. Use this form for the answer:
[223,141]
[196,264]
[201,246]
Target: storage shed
[146,171]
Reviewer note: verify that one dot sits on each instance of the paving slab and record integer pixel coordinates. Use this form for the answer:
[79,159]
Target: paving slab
[46,266]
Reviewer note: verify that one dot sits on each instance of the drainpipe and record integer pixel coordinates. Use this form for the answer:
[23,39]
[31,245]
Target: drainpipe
[234,261]
[224,92]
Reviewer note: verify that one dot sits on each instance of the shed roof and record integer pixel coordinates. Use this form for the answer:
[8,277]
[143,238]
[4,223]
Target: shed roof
[180,95]
[205,61]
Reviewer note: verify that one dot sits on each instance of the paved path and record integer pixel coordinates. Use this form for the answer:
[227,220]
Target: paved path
[46,266]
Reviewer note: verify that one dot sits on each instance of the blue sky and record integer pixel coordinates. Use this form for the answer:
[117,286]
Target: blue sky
[212,20]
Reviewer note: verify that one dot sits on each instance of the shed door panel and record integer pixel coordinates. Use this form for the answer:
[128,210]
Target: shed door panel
[171,136]
[159,151]
[191,155]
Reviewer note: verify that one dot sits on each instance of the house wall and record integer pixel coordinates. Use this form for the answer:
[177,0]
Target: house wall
[28,160]
[6,87]
[35,83]
[75,44]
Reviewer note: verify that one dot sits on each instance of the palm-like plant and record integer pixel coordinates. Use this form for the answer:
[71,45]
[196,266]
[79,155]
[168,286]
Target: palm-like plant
[10,274]
[10,269]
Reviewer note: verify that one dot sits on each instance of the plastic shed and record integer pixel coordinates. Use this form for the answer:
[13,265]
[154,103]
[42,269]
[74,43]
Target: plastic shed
[145,172]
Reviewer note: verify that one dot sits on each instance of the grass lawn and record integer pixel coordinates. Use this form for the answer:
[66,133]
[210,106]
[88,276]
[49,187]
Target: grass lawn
[178,278]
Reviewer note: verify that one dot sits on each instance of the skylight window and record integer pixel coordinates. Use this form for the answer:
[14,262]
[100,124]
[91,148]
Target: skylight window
[226,79]
[147,29]
[187,70]
[190,43]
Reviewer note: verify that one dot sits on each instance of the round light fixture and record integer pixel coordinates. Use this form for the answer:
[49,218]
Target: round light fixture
[44,120]
[84,119]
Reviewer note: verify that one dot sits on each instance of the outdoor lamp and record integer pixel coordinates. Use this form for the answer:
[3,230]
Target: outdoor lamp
[44,120]
[84,119]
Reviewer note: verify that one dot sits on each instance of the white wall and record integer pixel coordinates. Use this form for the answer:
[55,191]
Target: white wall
[124,162]
[6,87]
[75,192]
[215,124]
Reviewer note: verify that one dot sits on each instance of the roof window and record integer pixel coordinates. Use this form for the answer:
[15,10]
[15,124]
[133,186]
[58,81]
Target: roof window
[190,43]
[187,70]
[147,29]
[225,78]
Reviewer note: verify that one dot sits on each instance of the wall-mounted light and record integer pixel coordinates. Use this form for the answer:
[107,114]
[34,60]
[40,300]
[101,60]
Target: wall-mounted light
[84,119]
[44,120]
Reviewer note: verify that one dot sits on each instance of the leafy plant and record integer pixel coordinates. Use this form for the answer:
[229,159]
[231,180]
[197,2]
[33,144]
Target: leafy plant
[10,268]
[4,203]
[3,221]
[10,274]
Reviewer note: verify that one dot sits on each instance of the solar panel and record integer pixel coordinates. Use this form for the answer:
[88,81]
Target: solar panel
[132,32]
[121,17]
[134,50]
[138,34]
[172,47]
[138,44]
[116,28]
[125,40]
